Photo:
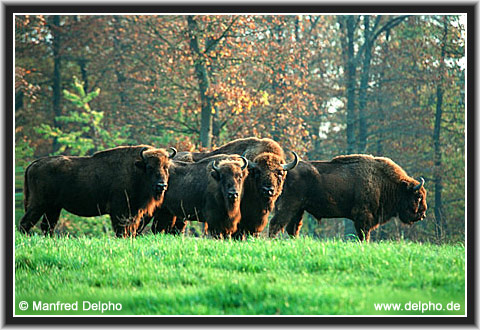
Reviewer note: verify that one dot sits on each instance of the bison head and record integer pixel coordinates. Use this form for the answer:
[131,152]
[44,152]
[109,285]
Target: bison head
[269,171]
[413,203]
[155,163]
[230,175]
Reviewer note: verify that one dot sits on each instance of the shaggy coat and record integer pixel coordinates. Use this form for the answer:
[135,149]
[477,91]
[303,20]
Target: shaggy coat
[124,182]
[368,190]
[262,188]
[208,191]
[248,147]
[264,183]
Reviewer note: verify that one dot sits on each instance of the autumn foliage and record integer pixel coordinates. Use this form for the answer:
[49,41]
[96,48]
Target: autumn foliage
[196,82]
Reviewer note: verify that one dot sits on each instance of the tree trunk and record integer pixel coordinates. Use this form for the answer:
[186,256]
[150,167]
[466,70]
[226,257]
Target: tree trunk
[350,80]
[120,65]
[364,79]
[18,100]
[57,77]
[204,85]
[82,63]
[382,100]
[438,209]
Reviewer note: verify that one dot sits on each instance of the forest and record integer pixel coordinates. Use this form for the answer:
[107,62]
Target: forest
[320,85]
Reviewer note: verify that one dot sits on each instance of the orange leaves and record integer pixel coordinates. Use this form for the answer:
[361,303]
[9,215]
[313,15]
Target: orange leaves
[224,52]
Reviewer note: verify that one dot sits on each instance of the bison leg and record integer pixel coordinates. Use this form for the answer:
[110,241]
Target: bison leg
[363,230]
[363,233]
[143,223]
[119,225]
[49,221]
[29,219]
[292,218]
[239,235]
[179,227]
[119,230]
[293,227]
[363,220]
[276,225]
[251,225]
[163,221]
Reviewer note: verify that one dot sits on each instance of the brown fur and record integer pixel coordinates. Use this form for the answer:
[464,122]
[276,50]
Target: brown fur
[369,190]
[249,147]
[117,181]
[198,192]
[388,166]
[131,226]
[256,206]
[268,155]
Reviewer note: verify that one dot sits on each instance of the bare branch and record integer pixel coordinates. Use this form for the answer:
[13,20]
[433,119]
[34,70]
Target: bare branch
[213,43]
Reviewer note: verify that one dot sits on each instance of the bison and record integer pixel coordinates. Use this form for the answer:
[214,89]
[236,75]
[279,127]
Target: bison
[124,182]
[368,190]
[263,185]
[208,191]
[262,188]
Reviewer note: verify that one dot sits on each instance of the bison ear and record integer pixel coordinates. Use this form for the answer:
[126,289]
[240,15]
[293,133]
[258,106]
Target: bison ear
[141,165]
[407,185]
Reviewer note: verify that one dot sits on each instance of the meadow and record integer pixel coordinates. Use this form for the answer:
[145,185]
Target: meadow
[171,275]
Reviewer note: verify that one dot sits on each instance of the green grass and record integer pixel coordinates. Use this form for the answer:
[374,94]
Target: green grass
[166,275]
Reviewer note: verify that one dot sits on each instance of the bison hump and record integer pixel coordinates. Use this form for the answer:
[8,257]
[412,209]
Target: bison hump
[355,158]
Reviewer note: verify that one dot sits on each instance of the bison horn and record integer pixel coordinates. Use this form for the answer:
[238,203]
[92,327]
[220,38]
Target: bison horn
[292,164]
[245,162]
[141,153]
[420,185]
[174,152]
[214,166]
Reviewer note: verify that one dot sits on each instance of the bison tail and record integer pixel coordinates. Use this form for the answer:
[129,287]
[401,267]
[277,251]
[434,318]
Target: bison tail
[26,191]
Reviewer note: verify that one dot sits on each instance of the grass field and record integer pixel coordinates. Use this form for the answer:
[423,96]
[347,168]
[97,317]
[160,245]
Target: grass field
[166,275]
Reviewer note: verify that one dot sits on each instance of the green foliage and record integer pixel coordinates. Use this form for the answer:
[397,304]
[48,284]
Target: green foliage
[23,153]
[83,130]
[166,275]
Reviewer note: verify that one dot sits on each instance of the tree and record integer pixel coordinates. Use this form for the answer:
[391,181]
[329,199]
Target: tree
[204,84]
[57,77]
[83,132]
[319,85]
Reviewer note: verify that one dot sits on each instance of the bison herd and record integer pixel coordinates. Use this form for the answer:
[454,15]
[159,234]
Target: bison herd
[232,189]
